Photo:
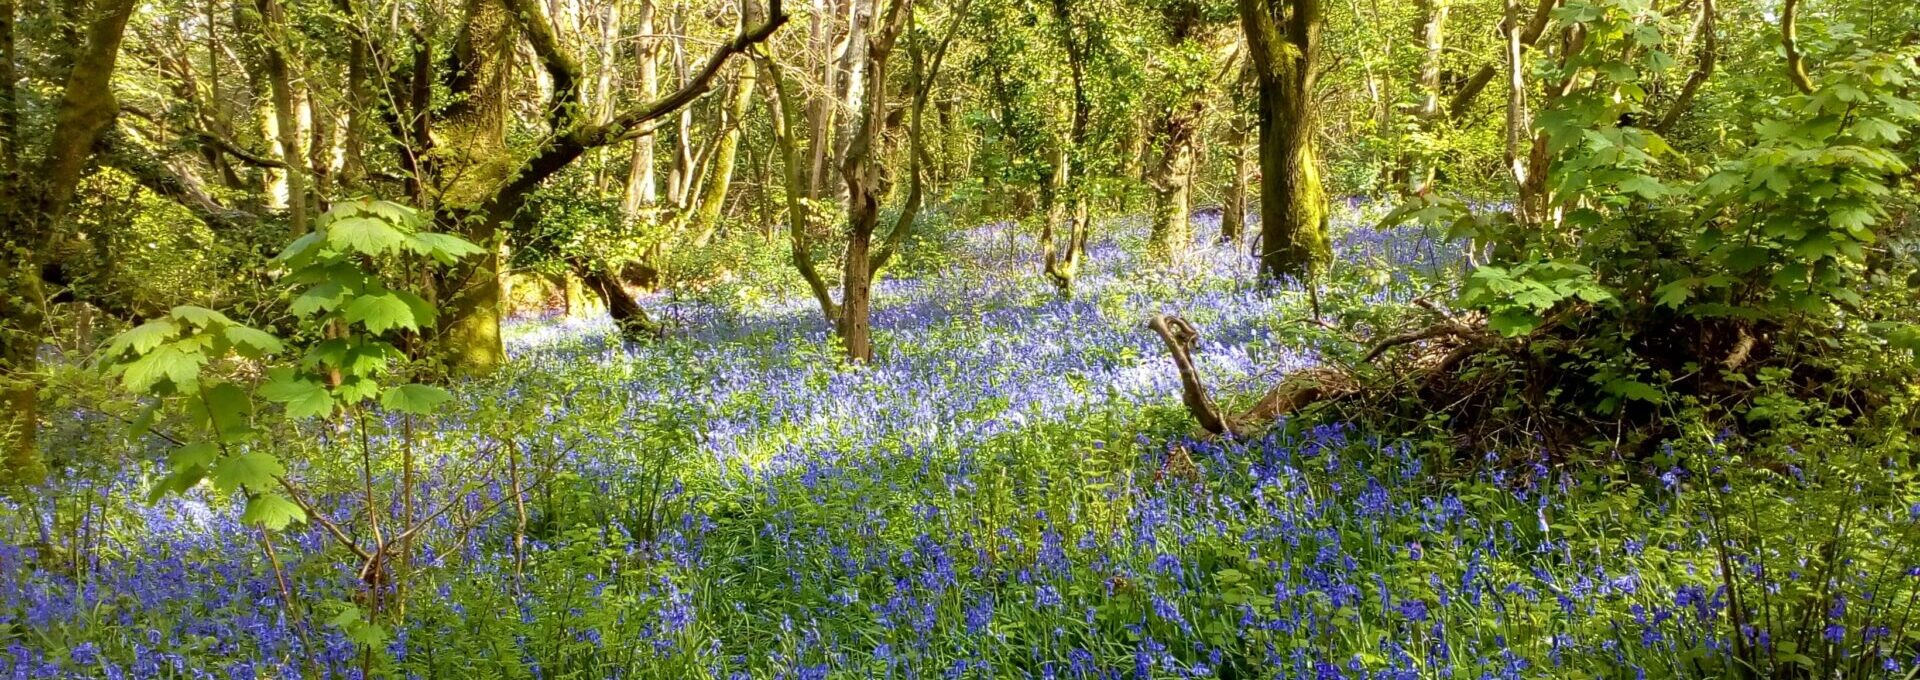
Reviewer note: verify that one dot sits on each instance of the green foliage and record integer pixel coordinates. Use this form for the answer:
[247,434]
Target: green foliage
[354,276]
[211,367]
[1518,298]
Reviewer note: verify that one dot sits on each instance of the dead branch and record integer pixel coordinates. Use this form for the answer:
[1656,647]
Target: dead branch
[1295,392]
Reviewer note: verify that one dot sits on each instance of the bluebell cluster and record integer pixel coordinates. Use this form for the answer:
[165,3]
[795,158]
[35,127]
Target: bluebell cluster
[1007,491]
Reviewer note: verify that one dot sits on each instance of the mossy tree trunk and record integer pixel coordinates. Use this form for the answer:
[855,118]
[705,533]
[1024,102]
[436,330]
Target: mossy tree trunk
[1172,177]
[32,215]
[1283,46]
[472,161]
[706,215]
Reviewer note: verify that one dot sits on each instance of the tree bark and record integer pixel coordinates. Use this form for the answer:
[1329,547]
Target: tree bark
[285,112]
[1433,26]
[31,226]
[1283,39]
[1066,202]
[472,135]
[706,216]
[1536,26]
[642,188]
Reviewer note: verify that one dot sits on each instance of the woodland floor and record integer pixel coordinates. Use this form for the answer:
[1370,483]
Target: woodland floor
[1008,491]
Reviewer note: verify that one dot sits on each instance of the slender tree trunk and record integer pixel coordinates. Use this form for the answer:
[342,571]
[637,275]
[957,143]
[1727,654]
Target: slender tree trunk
[1172,228]
[706,217]
[286,112]
[1518,125]
[642,188]
[854,324]
[1433,34]
[1062,266]
[353,163]
[1233,209]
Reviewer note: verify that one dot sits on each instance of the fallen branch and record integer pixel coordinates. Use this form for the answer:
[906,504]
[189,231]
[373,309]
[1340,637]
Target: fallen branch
[1297,391]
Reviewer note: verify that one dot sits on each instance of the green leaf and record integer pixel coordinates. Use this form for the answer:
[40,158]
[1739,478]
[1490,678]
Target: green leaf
[253,471]
[1674,293]
[392,212]
[167,362]
[1854,220]
[354,388]
[365,235]
[423,311]
[1746,258]
[199,316]
[178,482]
[419,400]
[299,247]
[446,248]
[226,410]
[381,312]
[320,298]
[272,511]
[190,456]
[303,397]
[143,338]
[258,341]
[1634,389]
[1513,322]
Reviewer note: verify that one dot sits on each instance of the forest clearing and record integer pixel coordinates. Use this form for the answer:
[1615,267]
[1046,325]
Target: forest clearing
[734,339]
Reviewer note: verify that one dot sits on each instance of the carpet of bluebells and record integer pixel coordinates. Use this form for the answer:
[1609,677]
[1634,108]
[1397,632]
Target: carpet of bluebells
[1010,490]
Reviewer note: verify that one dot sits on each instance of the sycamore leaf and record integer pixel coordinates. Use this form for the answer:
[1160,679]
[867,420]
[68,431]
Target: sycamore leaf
[1513,322]
[355,388]
[199,316]
[1674,293]
[180,481]
[446,248]
[365,235]
[252,471]
[320,298]
[392,212]
[225,409]
[415,399]
[303,397]
[299,247]
[143,338]
[381,312]
[190,456]
[1634,389]
[423,311]
[272,511]
[256,342]
[167,362]
[1854,220]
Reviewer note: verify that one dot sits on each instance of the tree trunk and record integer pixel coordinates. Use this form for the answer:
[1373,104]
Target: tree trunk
[1433,34]
[628,316]
[642,188]
[286,115]
[1061,267]
[1283,39]
[29,227]
[1172,184]
[1233,208]
[706,217]
[473,132]
[854,324]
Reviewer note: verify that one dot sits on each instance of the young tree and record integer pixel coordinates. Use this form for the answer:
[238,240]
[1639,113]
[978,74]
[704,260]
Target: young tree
[860,170]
